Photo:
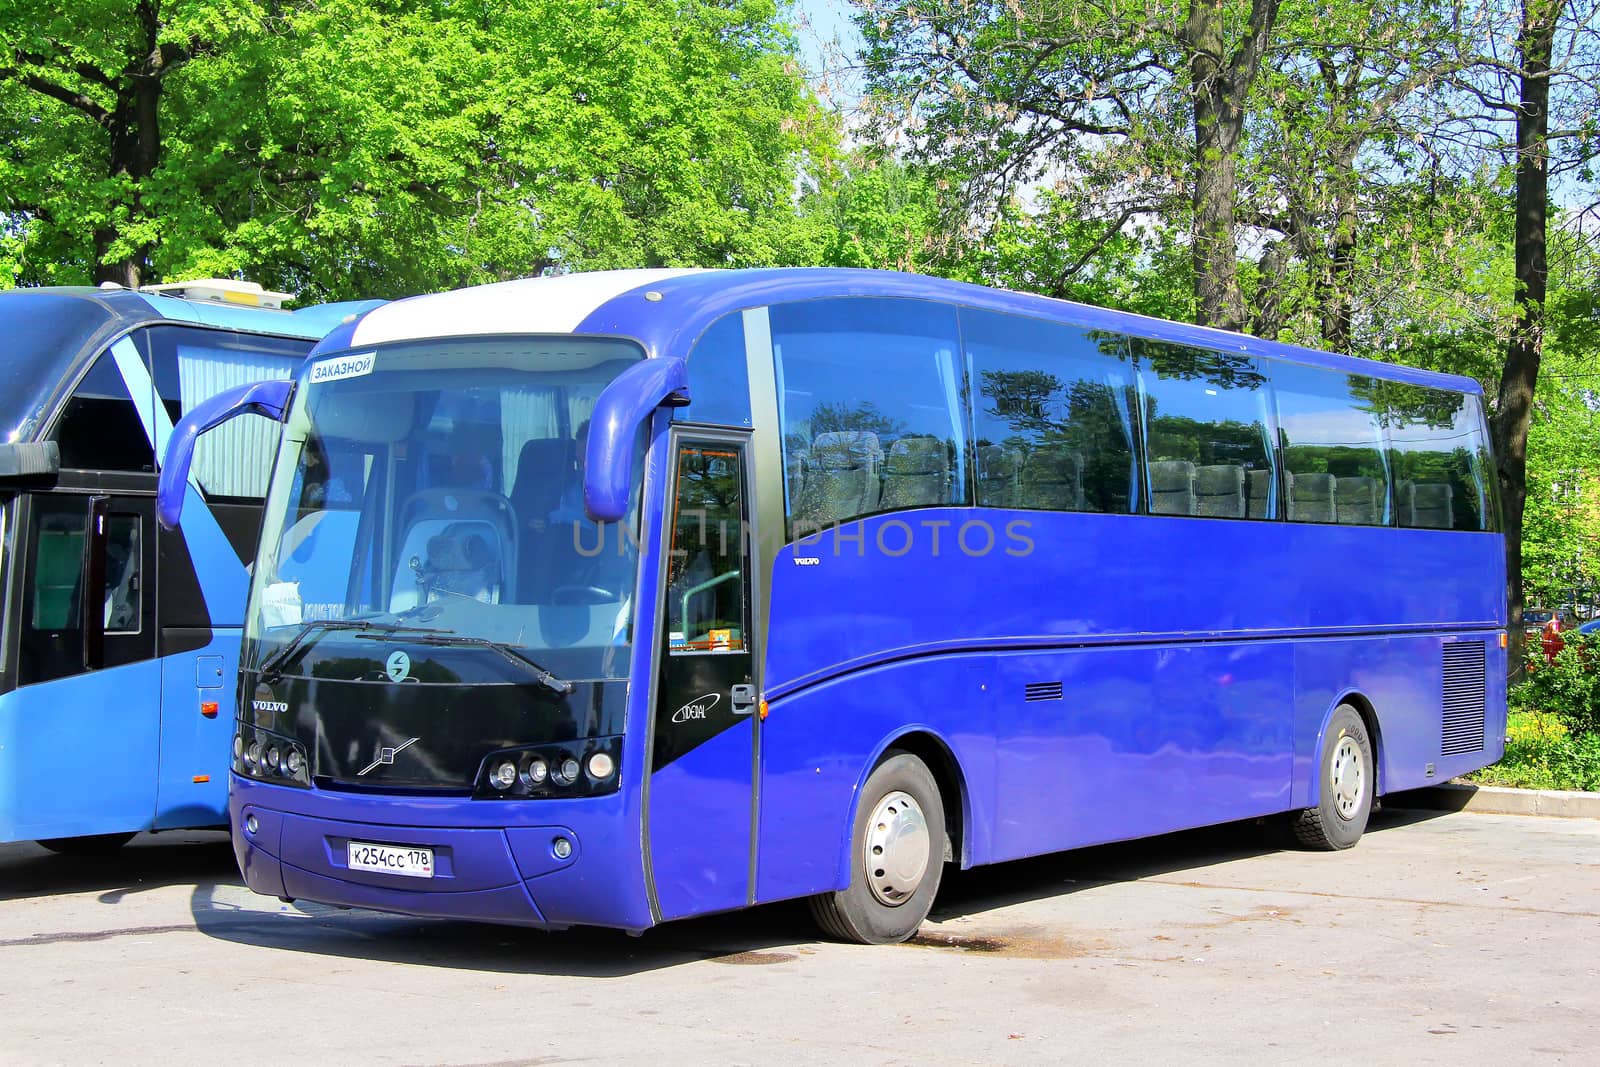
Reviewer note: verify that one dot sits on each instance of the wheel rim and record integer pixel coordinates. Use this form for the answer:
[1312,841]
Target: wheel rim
[1348,777]
[896,851]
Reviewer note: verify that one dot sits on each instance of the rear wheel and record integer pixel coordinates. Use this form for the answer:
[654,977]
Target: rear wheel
[1346,786]
[93,845]
[896,857]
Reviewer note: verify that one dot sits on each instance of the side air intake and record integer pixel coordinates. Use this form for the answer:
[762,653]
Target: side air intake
[1042,691]
[1464,680]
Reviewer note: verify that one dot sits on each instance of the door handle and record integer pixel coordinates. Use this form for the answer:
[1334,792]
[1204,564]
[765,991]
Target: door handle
[744,699]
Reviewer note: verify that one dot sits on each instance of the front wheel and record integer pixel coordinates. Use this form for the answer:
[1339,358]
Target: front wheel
[93,845]
[896,857]
[1346,786]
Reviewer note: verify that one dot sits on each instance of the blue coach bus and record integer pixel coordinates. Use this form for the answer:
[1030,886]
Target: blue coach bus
[643,595]
[119,643]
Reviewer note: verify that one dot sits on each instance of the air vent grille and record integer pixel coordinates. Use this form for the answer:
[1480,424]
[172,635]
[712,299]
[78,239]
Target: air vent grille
[1464,679]
[1042,691]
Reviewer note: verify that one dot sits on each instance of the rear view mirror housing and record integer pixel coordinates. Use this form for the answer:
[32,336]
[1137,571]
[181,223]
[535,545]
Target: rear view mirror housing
[29,461]
[268,398]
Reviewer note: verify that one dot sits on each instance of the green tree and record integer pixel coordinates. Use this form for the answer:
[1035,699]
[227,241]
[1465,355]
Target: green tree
[370,147]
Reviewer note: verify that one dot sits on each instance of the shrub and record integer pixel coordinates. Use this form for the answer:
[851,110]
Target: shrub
[1568,688]
[1542,752]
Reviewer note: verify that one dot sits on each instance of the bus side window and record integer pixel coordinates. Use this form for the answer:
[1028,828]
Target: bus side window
[1437,452]
[123,582]
[99,428]
[719,378]
[1332,442]
[52,639]
[1205,429]
[1051,418]
[871,408]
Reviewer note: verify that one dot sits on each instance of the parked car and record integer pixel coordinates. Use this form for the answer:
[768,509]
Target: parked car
[1592,626]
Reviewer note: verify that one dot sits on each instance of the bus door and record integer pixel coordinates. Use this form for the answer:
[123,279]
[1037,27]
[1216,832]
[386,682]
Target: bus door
[700,792]
[85,719]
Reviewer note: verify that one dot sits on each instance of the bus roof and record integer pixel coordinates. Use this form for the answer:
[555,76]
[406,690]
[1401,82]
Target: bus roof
[52,331]
[668,309]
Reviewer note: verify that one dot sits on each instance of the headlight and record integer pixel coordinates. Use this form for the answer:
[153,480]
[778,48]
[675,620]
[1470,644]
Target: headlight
[551,771]
[504,775]
[269,757]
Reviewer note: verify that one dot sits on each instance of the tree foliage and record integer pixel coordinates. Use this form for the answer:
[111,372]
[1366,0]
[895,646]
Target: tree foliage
[369,147]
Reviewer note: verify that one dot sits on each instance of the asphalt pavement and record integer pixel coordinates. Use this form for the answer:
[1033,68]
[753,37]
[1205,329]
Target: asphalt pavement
[1441,938]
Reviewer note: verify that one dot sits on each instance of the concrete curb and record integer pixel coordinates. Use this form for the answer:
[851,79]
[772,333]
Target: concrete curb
[1497,800]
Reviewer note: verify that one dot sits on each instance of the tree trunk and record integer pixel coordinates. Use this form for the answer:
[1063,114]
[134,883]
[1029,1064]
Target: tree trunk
[1520,375]
[135,129]
[1219,85]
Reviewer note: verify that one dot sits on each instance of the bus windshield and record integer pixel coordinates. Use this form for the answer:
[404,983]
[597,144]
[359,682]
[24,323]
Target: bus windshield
[432,492]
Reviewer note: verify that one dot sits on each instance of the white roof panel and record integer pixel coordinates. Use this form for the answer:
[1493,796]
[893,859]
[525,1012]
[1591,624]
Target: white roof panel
[553,304]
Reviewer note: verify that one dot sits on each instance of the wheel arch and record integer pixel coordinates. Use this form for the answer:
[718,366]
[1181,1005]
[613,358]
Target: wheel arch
[939,757]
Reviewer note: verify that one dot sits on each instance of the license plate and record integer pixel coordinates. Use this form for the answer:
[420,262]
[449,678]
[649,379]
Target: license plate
[390,859]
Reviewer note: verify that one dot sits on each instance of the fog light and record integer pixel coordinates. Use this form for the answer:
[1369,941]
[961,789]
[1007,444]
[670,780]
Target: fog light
[250,824]
[561,847]
[569,770]
[294,763]
[536,772]
[601,765]
[503,775]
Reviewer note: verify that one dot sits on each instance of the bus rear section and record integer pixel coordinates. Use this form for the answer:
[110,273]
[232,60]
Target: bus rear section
[678,592]
[119,640]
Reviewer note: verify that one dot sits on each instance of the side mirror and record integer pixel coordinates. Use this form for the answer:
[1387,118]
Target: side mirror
[258,398]
[618,411]
[29,460]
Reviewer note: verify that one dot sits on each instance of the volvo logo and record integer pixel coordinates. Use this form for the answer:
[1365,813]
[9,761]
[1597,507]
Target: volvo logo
[398,666]
[269,705]
[386,755]
[696,708]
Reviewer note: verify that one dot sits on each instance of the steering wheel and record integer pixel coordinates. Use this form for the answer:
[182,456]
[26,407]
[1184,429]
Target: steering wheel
[583,594]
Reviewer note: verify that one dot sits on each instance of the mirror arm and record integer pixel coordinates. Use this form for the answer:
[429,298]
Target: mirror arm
[270,399]
[618,412]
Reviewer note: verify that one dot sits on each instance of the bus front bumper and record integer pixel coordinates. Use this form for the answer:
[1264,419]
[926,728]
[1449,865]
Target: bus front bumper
[548,864]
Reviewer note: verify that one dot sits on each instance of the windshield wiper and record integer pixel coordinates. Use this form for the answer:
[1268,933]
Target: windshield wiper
[450,639]
[272,667]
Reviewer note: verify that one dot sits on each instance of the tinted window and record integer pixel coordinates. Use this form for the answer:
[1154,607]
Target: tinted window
[719,381]
[100,428]
[869,404]
[1439,457]
[1333,446]
[705,577]
[190,365]
[1206,442]
[52,633]
[1051,418]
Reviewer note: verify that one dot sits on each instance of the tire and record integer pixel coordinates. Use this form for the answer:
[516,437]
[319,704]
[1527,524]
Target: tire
[93,845]
[1346,783]
[896,857]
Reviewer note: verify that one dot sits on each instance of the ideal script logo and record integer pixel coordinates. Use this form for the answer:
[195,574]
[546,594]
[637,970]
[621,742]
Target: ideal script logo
[696,708]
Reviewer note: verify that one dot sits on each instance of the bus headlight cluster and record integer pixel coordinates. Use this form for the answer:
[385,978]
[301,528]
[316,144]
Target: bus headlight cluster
[574,769]
[268,756]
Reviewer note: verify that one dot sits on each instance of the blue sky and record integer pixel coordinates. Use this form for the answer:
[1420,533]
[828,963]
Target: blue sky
[824,27]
